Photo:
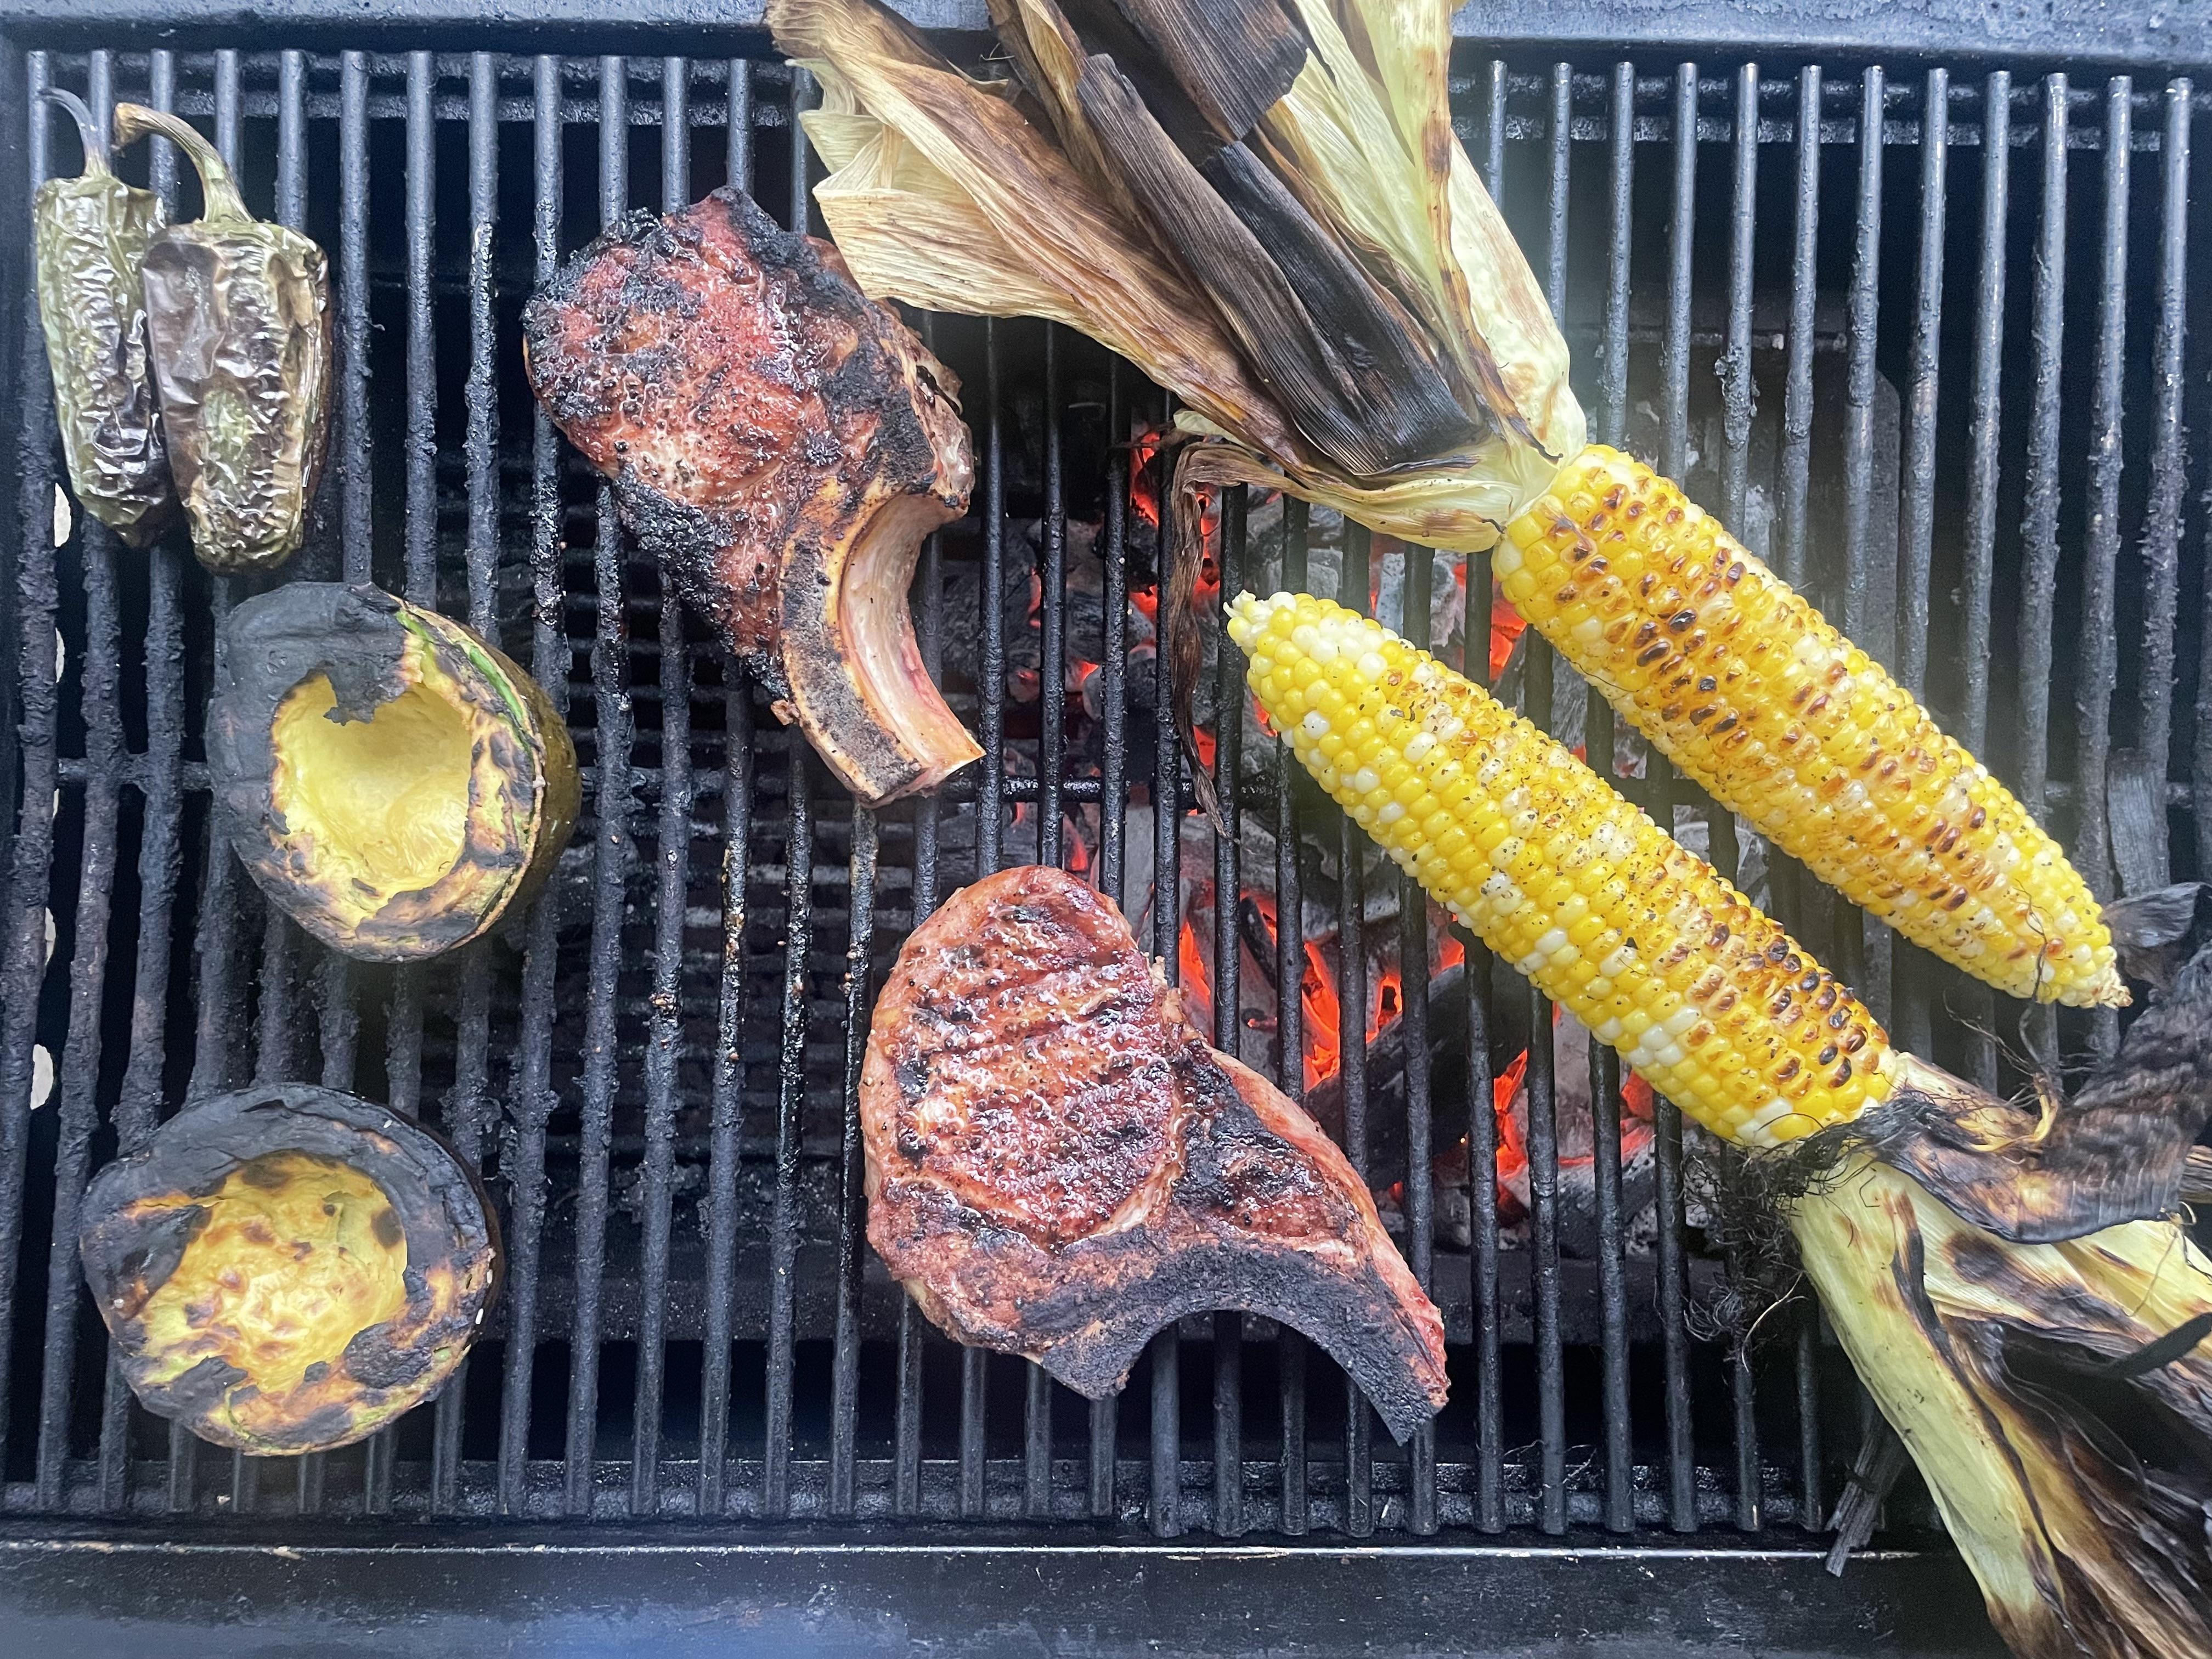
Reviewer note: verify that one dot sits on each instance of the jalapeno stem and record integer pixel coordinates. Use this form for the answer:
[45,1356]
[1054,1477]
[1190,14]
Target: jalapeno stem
[96,153]
[218,190]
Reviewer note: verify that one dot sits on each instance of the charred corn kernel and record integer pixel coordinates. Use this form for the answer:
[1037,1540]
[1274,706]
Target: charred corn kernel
[1747,689]
[1708,1000]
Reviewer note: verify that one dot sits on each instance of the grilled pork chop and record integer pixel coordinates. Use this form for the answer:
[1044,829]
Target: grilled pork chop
[1058,1165]
[783,444]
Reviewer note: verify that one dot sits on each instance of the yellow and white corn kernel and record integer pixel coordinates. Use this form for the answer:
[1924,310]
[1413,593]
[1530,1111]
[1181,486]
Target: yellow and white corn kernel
[1706,999]
[1746,687]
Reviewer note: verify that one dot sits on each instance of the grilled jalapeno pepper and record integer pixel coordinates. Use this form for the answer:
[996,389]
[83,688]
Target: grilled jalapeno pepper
[238,313]
[89,235]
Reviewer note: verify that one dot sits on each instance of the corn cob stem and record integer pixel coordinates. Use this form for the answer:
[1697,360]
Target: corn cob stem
[1706,999]
[1746,687]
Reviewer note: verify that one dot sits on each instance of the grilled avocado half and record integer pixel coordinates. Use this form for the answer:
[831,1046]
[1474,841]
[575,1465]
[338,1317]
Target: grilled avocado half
[389,779]
[287,1269]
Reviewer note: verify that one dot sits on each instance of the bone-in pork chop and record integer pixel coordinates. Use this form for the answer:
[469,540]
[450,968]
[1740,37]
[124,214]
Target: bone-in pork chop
[1058,1165]
[783,444]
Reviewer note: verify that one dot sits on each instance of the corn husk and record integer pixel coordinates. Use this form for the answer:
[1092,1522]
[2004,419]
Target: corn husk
[2078,1488]
[969,196]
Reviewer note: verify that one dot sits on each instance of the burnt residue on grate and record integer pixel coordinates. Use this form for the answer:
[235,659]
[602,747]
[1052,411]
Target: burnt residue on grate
[1924,336]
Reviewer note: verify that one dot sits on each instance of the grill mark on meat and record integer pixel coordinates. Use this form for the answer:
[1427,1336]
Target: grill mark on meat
[1058,1164]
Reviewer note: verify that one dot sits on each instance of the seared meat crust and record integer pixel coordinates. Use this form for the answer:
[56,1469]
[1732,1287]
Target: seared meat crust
[1058,1164]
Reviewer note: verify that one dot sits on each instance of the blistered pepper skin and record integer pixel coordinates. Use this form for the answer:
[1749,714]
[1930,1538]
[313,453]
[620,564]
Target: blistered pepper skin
[90,236]
[239,319]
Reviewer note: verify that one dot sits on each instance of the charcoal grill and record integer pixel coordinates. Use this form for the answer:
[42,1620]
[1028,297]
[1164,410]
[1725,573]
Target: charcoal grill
[1929,326]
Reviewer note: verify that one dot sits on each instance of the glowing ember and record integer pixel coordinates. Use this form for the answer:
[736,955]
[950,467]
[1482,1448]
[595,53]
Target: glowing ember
[1389,1002]
[1506,626]
[1512,1147]
[1191,977]
[1323,1030]
[1145,478]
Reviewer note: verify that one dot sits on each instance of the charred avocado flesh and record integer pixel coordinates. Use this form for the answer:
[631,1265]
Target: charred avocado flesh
[286,1269]
[392,780]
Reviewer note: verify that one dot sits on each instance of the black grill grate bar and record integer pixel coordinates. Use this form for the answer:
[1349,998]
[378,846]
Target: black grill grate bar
[1541,1093]
[1114,694]
[1662,788]
[728,1096]
[353,432]
[728,1077]
[2092,843]
[1052,764]
[1794,483]
[1413,1038]
[140,1107]
[1598,730]
[1113,673]
[550,659]
[246,1472]
[673,856]
[791,1096]
[1735,365]
[1862,953]
[845,1375]
[2162,517]
[292,139]
[404,1014]
[1985,419]
[1735,456]
[162,161]
[1611,425]
[791,1068]
[1489,1506]
[1227,994]
[1355,593]
[2040,526]
[1917,526]
[929,639]
[1913,1017]
[138,1102]
[222,1000]
[420,572]
[2200,411]
[612,805]
[1977,1003]
[96,561]
[466,1109]
[1292,1514]
[2039,521]
[990,821]
[1163,1501]
[99,690]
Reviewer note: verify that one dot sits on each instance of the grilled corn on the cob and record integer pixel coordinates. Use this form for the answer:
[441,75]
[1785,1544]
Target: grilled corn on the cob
[1747,689]
[1706,999]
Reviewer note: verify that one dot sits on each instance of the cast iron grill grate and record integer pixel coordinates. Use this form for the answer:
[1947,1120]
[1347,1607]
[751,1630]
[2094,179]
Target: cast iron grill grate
[1932,323]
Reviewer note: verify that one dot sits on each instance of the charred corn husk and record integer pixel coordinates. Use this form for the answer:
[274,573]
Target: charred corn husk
[1706,999]
[1747,689]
